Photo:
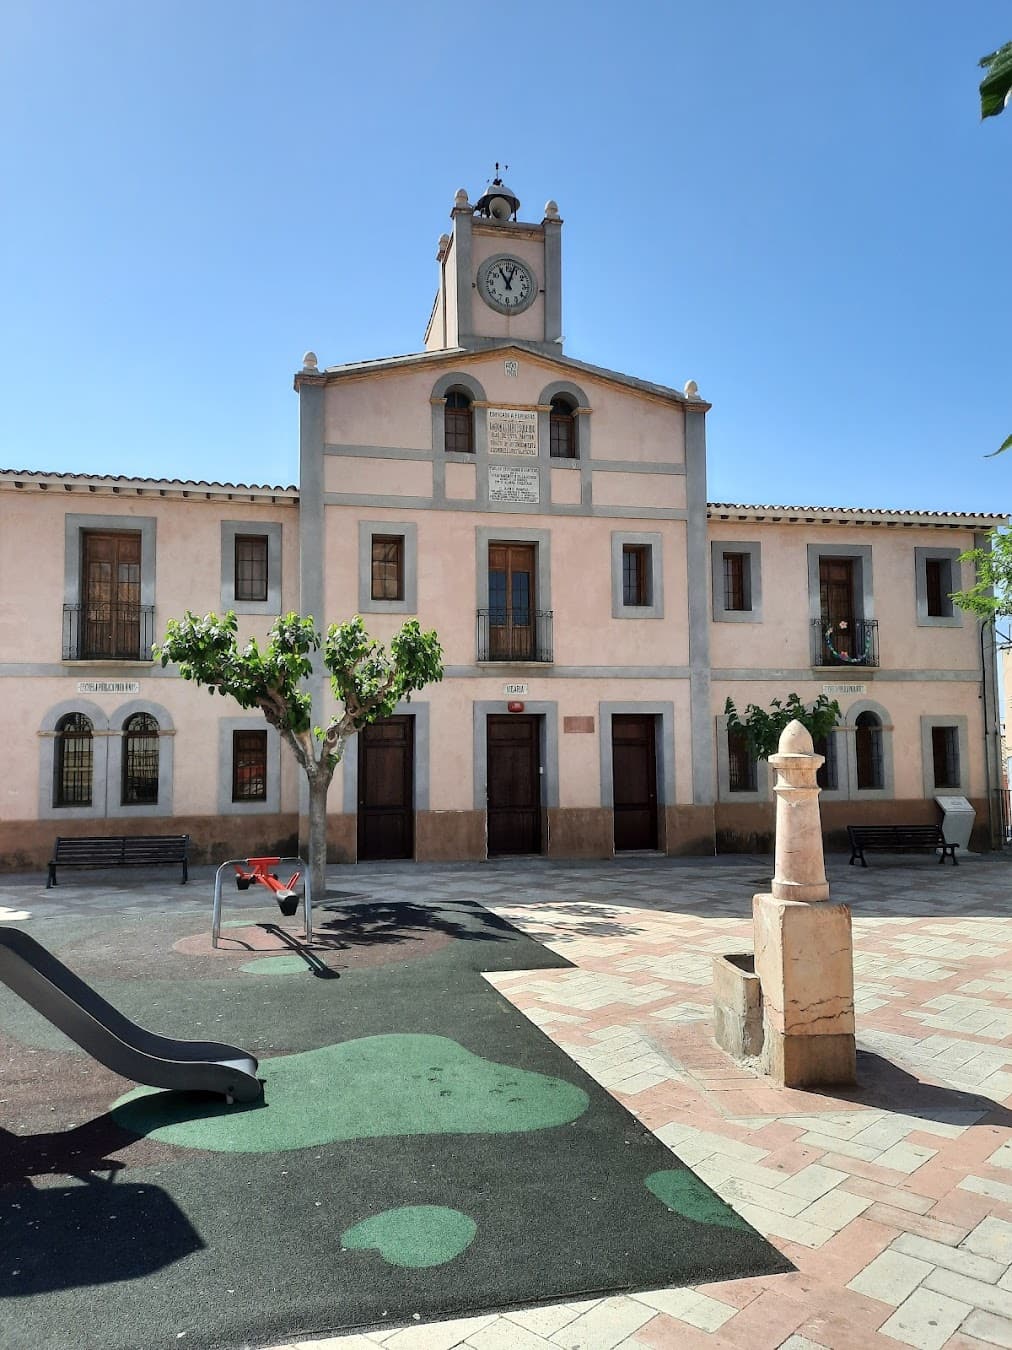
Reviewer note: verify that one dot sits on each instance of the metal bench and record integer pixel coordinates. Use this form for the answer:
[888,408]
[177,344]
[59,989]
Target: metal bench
[138,850]
[898,839]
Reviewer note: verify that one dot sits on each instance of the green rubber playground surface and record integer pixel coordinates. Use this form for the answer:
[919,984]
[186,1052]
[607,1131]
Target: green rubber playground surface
[421,1147]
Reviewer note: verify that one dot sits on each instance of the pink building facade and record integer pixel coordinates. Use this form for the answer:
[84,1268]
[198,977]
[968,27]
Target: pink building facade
[549,519]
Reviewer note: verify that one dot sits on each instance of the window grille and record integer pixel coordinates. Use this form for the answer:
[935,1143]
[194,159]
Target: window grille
[249,766]
[140,760]
[73,761]
[251,567]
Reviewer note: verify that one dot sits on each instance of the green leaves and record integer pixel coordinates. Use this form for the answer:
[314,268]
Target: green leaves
[990,597]
[369,680]
[1006,443]
[763,729]
[996,86]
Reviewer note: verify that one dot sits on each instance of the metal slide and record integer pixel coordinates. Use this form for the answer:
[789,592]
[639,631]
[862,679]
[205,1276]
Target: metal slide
[121,1045]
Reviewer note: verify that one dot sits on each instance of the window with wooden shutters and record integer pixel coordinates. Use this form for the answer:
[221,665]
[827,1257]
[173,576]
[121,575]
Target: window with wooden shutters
[251,567]
[140,760]
[458,424]
[387,567]
[938,584]
[562,429]
[636,574]
[73,761]
[110,621]
[249,766]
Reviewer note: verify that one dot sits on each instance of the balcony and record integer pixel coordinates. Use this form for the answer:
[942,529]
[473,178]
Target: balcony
[853,643]
[515,635]
[108,632]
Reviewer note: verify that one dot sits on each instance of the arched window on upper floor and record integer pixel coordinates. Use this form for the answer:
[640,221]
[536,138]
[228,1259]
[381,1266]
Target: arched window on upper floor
[140,760]
[868,751]
[458,423]
[73,761]
[562,437]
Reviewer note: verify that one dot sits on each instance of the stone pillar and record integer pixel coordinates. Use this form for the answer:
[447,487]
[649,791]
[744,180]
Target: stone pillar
[804,953]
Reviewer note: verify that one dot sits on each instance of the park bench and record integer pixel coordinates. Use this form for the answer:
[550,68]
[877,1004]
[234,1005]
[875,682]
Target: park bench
[897,839]
[138,850]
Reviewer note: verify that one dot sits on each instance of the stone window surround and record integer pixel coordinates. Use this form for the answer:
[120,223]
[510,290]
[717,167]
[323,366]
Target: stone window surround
[848,726]
[863,593]
[650,539]
[581,422]
[107,761]
[928,760]
[924,619]
[272,804]
[753,565]
[762,772]
[408,531]
[271,531]
[76,526]
[663,714]
[505,534]
[349,764]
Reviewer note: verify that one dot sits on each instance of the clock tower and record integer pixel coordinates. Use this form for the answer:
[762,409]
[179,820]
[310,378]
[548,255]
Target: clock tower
[499,278]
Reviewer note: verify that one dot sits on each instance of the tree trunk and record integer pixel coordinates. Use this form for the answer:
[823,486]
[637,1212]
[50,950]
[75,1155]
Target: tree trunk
[318,785]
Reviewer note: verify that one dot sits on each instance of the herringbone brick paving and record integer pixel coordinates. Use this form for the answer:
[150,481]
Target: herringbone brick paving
[894,1201]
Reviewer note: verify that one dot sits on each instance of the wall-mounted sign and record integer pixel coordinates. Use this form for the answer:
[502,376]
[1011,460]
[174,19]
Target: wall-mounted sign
[108,687]
[514,691]
[512,431]
[846,690]
[512,368]
[507,484]
[571,724]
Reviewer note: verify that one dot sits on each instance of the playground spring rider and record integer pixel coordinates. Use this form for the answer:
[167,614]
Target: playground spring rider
[261,871]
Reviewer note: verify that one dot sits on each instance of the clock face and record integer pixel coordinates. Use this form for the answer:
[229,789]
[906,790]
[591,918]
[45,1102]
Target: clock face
[507,284]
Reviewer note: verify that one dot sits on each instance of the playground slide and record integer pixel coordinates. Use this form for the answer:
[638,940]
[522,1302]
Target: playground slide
[121,1045]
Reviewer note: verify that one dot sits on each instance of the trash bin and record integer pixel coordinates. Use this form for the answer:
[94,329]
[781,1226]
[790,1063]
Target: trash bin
[957,820]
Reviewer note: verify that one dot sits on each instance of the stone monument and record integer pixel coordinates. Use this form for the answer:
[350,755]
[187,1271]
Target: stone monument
[804,954]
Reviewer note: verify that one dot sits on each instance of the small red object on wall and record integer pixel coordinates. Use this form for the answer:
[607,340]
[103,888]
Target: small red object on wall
[514,706]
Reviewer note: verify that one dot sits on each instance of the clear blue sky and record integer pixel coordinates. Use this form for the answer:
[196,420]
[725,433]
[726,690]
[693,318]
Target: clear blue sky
[794,204]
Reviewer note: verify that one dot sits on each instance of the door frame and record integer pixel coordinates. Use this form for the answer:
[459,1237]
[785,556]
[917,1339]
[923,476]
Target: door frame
[863,593]
[349,764]
[548,750]
[526,717]
[412,805]
[664,757]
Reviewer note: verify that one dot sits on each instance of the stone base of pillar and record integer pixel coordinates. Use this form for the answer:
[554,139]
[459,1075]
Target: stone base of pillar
[804,958]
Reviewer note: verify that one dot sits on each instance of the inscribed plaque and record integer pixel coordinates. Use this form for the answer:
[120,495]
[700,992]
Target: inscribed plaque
[507,484]
[512,431]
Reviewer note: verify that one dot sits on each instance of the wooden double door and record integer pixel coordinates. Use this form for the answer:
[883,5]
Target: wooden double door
[386,792]
[513,745]
[111,594]
[634,781]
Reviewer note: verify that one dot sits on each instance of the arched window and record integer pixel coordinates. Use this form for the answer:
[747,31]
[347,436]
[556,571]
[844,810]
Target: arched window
[458,433]
[73,761]
[140,760]
[562,428]
[868,750]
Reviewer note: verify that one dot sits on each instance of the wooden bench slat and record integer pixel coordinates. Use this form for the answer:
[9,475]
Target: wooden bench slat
[897,838]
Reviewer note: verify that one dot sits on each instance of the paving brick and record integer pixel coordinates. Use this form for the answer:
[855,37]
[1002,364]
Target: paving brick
[699,1310]
[974,1292]
[891,1277]
[986,1327]
[503,1335]
[963,1262]
[604,1326]
[813,1181]
[995,1189]
[436,1335]
[544,1321]
[921,1224]
[992,1237]
[925,1320]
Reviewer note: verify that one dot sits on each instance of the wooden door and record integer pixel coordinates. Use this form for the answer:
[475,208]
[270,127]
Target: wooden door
[511,601]
[111,596]
[386,799]
[634,772]
[836,592]
[514,785]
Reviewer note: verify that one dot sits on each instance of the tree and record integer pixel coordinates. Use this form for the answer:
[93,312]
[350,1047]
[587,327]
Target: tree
[990,597]
[996,86]
[366,679]
[762,729]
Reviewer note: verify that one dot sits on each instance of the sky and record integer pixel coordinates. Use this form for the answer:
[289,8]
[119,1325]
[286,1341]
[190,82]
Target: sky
[794,204]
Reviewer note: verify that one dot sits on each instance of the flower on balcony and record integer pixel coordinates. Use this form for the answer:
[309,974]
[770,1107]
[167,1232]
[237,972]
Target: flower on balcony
[843,653]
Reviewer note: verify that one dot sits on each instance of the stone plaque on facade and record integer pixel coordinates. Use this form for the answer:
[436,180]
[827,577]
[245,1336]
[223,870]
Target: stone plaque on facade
[835,690]
[514,691]
[507,484]
[577,724]
[512,431]
[108,687]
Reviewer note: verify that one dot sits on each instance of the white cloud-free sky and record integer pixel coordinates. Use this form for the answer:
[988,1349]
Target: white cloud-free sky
[796,205]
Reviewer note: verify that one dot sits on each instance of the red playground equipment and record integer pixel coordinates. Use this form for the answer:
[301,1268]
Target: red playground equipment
[284,891]
[265,872]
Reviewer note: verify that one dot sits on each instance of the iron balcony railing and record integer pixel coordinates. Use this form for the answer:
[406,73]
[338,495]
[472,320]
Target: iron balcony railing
[845,643]
[515,635]
[108,632]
